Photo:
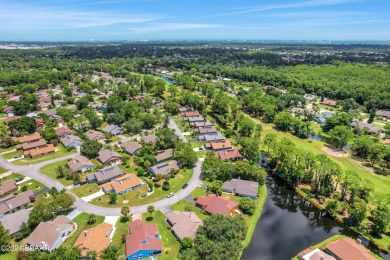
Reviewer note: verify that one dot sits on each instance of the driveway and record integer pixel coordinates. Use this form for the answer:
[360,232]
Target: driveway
[173,125]
[93,196]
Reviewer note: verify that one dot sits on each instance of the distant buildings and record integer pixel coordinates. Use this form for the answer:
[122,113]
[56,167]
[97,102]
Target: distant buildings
[63,131]
[329,102]
[149,139]
[71,141]
[348,249]
[94,135]
[39,151]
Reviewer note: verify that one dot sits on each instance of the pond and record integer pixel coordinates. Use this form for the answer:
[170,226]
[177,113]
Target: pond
[290,224]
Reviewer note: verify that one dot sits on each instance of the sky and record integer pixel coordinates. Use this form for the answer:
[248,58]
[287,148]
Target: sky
[104,20]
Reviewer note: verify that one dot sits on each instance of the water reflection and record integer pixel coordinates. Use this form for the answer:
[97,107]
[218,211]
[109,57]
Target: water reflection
[288,225]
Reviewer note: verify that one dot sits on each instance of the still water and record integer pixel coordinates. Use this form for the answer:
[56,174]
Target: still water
[288,225]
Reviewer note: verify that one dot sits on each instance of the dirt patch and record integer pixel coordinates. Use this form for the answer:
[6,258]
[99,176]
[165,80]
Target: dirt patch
[333,152]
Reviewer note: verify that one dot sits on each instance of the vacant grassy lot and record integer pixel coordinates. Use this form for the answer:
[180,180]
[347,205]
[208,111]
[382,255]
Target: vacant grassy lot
[61,151]
[86,189]
[82,224]
[171,245]
[50,170]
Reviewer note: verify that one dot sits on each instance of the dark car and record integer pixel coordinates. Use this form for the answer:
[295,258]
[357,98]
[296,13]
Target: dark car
[19,179]
[185,186]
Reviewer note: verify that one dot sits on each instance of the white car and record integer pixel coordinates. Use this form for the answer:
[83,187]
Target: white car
[170,195]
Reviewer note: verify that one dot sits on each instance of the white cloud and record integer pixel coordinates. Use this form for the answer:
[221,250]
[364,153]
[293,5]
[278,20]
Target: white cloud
[158,27]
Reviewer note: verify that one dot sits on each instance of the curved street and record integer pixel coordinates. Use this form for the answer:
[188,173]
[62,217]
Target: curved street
[33,171]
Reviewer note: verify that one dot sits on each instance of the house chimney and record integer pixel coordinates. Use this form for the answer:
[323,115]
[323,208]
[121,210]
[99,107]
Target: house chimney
[85,233]
[359,241]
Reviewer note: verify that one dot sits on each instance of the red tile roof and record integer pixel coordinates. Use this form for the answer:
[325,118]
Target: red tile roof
[348,249]
[217,205]
[60,131]
[190,113]
[11,118]
[232,154]
[141,231]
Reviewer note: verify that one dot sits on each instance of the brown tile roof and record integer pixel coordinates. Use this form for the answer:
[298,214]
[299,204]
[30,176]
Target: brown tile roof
[122,183]
[94,135]
[62,130]
[131,147]
[107,155]
[13,202]
[141,231]
[164,167]
[7,187]
[31,145]
[40,151]
[190,113]
[79,161]
[138,97]
[10,118]
[220,145]
[231,154]
[13,221]
[206,129]
[329,102]
[216,205]
[94,239]
[149,139]
[48,231]
[184,224]
[28,138]
[164,155]
[348,249]
[203,123]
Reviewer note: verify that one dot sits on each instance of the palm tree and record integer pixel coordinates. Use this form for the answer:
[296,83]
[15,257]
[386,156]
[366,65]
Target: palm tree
[60,171]
[125,211]
[150,210]
[92,255]
[91,219]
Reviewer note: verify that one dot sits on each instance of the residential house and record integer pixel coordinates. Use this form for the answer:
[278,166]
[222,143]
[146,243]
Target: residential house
[80,164]
[108,157]
[95,135]
[211,137]
[282,91]
[50,112]
[15,202]
[297,111]
[49,235]
[63,131]
[143,240]
[316,254]
[71,141]
[383,113]
[202,124]
[214,204]
[40,123]
[163,155]
[39,151]
[329,102]
[192,120]
[149,139]
[348,249]
[113,129]
[184,224]
[138,98]
[7,187]
[105,174]
[13,221]
[321,117]
[370,127]
[10,118]
[183,109]
[131,147]
[27,138]
[164,168]
[95,239]
[241,188]
[190,113]
[229,155]
[123,184]
[218,146]
[206,130]
[9,111]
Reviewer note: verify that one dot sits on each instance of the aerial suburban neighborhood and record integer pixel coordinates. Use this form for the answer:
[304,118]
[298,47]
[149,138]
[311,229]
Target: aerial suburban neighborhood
[194,150]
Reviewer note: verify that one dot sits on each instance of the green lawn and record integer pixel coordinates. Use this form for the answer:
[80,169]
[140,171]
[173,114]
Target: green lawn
[2,170]
[50,170]
[82,224]
[122,228]
[197,144]
[2,149]
[11,155]
[86,189]
[32,185]
[133,197]
[12,176]
[171,245]
[12,254]
[184,205]
[59,153]
[198,192]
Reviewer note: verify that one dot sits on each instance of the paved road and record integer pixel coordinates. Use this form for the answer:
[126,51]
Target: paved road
[174,126]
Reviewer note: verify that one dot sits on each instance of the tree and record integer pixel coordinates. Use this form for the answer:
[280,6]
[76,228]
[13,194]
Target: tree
[125,211]
[247,206]
[91,219]
[376,153]
[111,252]
[4,237]
[283,121]
[332,207]
[92,255]
[172,108]
[150,209]
[185,154]
[339,136]
[113,198]
[25,229]
[220,238]
[24,124]
[49,134]
[40,213]
[251,149]
[357,211]
[133,126]
[362,145]
[246,127]
[60,171]
[215,187]
[90,149]
[166,138]
[380,218]
[186,243]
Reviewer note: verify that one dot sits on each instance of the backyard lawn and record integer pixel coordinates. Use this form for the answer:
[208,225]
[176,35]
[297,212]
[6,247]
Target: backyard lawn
[86,189]
[171,245]
[82,224]
[198,192]
[122,229]
[61,151]
[50,170]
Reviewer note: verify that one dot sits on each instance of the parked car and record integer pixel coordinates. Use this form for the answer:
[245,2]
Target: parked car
[19,179]
[80,182]
[18,156]
[170,195]
[185,186]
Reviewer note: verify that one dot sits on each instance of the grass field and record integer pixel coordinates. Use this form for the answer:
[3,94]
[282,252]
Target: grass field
[32,185]
[86,189]
[59,153]
[198,192]
[122,229]
[171,245]
[133,196]
[12,176]
[50,170]
[82,224]
[11,154]
[184,205]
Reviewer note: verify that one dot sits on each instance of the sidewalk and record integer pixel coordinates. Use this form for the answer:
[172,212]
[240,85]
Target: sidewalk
[93,196]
